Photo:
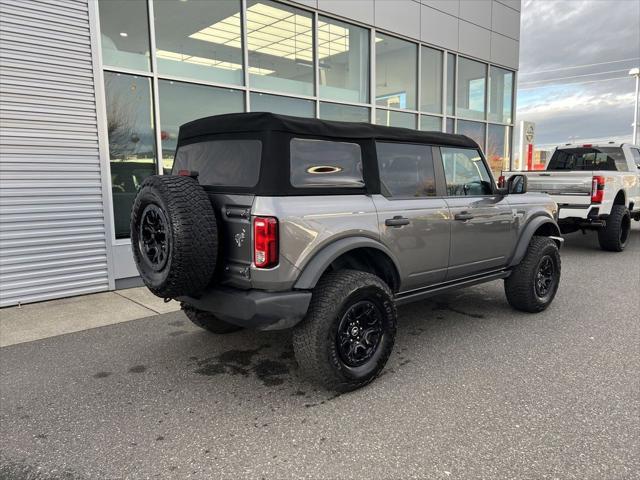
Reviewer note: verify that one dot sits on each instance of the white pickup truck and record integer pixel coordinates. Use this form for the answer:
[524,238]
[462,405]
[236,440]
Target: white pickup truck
[596,187]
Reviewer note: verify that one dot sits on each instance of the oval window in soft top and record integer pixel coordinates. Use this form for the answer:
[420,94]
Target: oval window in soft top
[324,163]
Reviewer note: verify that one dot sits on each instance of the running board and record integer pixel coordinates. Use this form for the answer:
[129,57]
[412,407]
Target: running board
[421,294]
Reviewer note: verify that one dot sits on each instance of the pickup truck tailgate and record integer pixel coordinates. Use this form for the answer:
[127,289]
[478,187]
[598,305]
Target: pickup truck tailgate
[566,188]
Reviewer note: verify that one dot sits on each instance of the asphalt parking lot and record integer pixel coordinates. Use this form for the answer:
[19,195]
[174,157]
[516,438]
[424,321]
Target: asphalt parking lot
[473,390]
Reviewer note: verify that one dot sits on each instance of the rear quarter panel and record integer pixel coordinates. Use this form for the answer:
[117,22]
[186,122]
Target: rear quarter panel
[307,224]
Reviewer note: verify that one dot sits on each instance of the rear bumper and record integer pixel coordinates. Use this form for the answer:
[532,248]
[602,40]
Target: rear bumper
[585,218]
[254,308]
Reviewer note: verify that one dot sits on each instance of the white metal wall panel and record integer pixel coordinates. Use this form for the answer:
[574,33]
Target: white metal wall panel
[52,223]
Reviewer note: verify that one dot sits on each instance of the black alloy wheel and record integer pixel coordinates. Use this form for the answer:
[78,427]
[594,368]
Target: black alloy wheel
[359,333]
[545,277]
[153,237]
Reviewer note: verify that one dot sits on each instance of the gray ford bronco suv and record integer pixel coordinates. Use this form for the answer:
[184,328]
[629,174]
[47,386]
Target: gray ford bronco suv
[275,222]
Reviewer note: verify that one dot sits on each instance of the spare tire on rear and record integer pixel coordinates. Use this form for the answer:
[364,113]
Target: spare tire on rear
[174,236]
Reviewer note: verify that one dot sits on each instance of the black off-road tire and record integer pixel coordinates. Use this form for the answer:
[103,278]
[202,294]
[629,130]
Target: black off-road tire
[615,236]
[192,236]
[520,286]
[315,338]
[208,321]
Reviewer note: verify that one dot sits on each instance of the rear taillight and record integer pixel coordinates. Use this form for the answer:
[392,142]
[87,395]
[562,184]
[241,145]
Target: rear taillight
[265,242]
[597,189]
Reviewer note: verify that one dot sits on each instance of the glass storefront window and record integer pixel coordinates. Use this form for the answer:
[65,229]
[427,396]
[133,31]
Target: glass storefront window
[344,113]
[430,123]
[395,119]
[261,102]
[343,58]
[131,141]
[450,125]
[473,130]
[124,29]
[500,94]
[498,151]
[471,86]
[451,83]
[396,72]
[280,44]
[431,80]
[182,102]
[199,40]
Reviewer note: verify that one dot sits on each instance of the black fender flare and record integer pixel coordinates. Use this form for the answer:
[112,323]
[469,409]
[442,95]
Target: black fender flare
[319,263]
[527,235]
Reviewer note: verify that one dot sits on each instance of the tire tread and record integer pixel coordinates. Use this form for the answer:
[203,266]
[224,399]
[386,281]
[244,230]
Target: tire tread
[309,339]
[518,286]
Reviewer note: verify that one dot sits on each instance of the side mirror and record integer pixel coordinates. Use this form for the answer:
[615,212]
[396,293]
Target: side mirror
[517,184]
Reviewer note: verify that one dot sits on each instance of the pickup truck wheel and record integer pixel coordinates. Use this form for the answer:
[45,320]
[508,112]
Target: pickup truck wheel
[533,283]
[208,321]
[174,236]
[615,236]
[347,336]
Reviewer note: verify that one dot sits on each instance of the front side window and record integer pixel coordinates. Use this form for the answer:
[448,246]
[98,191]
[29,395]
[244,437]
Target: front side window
[225,163]
[199,39]
[406,170]
[130,129]
[321,163]
[465,172]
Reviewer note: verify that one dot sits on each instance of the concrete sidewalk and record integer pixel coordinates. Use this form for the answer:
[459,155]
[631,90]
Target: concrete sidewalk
[35,321]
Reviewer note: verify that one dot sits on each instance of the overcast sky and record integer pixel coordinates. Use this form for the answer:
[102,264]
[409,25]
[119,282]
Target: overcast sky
[596,42]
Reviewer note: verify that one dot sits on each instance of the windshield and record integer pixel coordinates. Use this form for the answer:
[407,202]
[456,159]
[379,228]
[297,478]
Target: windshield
[226,163]
[588,158]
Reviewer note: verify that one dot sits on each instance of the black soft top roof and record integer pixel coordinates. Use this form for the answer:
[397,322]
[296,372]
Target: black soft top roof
[266,121]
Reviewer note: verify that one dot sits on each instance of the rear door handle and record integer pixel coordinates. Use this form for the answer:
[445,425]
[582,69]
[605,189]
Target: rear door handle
[463,216]
[397,221]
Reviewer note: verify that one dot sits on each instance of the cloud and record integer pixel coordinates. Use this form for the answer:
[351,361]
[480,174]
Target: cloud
[599,37]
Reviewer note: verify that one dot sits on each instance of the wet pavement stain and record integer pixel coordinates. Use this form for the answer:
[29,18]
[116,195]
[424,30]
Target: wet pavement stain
[241,357]
[137,369]
[242,362]
[102,375]
[269,372]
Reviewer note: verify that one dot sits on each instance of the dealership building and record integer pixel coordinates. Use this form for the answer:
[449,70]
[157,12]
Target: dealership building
[92,93]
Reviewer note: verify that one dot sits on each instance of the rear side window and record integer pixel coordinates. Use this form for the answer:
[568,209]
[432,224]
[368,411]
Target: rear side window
[226,163]
[322,163]
[406,170]
[583,158]
[465,172]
